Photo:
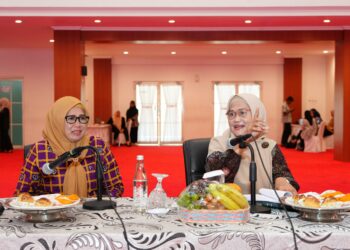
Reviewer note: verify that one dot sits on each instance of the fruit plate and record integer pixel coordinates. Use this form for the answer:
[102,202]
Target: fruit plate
[41,214]
[323,214]
[214,216]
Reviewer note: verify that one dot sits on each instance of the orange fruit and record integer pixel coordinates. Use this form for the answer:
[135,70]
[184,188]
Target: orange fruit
[344,198]
[331,194]
[67,199]
[73,197]
[235,186]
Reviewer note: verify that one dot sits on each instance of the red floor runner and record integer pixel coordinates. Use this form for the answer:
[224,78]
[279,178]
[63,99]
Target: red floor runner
[314,171]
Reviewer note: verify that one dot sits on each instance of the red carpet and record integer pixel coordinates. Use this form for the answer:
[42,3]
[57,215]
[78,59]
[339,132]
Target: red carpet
[314,171]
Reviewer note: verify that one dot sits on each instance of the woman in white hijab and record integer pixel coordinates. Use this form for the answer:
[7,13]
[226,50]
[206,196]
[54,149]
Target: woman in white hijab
[246,114]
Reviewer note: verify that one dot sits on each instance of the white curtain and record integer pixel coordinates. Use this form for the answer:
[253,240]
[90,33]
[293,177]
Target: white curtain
[252,88]
[146,99]
[171,107]
[222,93]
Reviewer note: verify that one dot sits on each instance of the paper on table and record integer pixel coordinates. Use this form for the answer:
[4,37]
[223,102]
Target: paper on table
[269,195]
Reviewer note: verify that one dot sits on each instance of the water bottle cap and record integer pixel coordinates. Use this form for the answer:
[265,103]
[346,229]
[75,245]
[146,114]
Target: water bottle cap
[139,157]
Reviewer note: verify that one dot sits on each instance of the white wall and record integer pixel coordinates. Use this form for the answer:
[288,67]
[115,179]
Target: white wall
[35,67]
[198,96]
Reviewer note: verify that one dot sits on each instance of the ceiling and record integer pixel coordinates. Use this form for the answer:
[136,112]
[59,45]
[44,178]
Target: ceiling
[36,29]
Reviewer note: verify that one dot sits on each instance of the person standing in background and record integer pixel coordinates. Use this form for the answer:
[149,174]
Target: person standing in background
[132,122]
[287,120]
[5,140]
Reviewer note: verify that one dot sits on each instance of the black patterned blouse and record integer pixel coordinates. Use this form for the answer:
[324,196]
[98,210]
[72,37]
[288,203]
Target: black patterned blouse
[231,160]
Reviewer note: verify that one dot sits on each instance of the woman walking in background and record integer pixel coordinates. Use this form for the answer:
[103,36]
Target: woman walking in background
[132,120]
[5,140]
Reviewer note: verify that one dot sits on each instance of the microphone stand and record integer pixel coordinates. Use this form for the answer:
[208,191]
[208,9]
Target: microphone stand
[254,208]
[98,204]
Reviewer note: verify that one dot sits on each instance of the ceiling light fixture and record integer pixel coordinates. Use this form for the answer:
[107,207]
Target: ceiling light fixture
[173,52]
[158,42]
[224,52]
[326,21]
[248,21]
[278,52]
[125,52]
[171,21]
[97,21]
[236,42]
[18,21]
[51,40]
[325,52]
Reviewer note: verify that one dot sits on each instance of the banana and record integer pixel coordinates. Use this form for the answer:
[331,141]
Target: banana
[233,194]
[222,198]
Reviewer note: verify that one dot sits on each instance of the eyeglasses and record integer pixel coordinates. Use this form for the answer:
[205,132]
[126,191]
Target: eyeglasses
[71,119]
[241,113]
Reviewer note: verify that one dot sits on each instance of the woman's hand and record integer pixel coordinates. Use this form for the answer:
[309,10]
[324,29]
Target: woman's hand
[283,184]
[258,127]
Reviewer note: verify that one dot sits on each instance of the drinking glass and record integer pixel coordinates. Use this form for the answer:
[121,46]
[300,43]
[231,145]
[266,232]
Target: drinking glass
[157,200]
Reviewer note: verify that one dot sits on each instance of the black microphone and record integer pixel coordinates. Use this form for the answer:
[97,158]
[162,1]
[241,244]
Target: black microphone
[241,138]
[49,167]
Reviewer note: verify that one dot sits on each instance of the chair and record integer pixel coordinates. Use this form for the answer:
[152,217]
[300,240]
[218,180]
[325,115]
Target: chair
[121,139]
[317,142]
[195,155]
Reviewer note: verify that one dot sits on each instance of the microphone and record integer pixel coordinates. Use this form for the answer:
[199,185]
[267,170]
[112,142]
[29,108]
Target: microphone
[49,168]
[241,138]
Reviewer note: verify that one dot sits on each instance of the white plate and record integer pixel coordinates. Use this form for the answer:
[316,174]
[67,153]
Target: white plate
[159,211]
[24,206]
[343,207]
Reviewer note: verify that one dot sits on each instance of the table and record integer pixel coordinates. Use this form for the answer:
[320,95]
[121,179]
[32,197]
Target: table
[85,229]
[104,131]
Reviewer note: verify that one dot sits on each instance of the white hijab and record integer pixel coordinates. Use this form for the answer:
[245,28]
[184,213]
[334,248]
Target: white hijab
[265,145]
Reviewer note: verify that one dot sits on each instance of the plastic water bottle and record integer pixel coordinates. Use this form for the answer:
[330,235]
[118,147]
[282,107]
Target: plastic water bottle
[140,185]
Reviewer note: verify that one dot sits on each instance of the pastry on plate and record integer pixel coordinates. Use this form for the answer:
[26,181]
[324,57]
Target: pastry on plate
[298,198]
[330,202]
[311,201]
[25,197]
[43,202]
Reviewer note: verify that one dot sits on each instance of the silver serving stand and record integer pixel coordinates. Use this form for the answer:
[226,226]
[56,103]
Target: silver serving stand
[43,215]
[40,215]
[319,214]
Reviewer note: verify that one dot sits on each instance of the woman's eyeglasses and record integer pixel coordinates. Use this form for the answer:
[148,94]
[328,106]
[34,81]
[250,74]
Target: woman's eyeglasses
[71,119]
[241,113]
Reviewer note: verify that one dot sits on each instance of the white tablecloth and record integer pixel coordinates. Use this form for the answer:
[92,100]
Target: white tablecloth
[101,130]
[85,229]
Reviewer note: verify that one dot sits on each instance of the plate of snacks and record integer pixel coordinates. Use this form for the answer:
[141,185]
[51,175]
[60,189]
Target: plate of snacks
[212,202]
[43,208]
[321,207]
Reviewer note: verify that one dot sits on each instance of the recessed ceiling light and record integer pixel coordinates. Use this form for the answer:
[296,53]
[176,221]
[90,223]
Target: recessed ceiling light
[325,52]
[125,52]
[171,21]
[224,52]
[278,52]
[158,42]
[248,21]
[51,40]
[173,52]
[326,21]
[18,21]
[97,21]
